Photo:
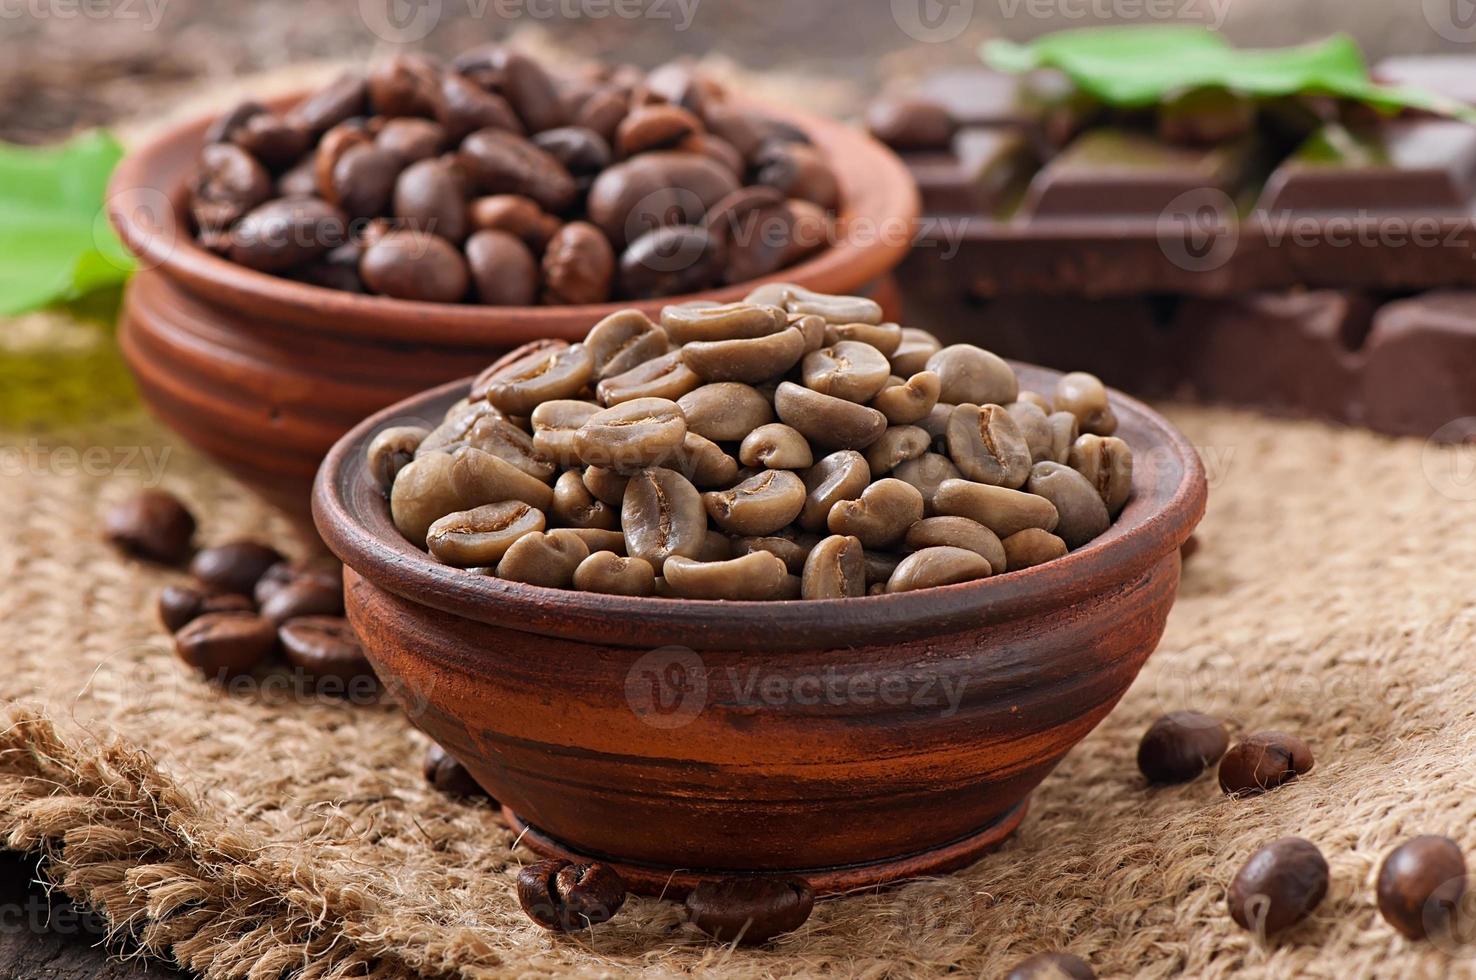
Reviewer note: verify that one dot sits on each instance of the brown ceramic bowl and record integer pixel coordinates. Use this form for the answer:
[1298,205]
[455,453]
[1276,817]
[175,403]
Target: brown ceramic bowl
[854,741]
[264,374]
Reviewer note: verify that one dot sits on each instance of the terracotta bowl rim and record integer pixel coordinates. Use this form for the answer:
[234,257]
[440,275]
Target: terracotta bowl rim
[1156,521]
[137,183]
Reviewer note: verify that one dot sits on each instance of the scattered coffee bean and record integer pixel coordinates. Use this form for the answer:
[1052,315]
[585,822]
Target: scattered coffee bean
[750,911]
[1181,745]
[1279,886]
[1052,966]
[565,897]
[234,567]
[447,775]
[306,596]
[325,574]
[1420,886]
[153,524]
[324,646]
[1263,761]
[223,644]
[180,605]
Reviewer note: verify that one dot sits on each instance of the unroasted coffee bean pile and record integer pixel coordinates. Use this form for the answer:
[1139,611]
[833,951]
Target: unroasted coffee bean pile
[789,446]
[496,180]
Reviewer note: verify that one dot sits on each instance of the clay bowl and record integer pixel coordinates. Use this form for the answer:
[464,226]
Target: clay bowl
[263,374]
[854,741]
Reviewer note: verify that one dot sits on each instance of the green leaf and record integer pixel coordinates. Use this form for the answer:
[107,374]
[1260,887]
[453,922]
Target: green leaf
[57,243]
[1134,67]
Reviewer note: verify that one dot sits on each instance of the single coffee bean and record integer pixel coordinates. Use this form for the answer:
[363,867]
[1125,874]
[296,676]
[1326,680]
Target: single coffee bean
[777,447]
[430,196]
[415,266]
[1279,886]
[516,355]
[881,516]
[791,548]
[759,505]
[623,340]
[1035,428]
[465,107]
[662,515]
[896,446]
[548,375]
[756,576]
[1031,547]
[565,897]
[448,776]
[482,478]
[411,139]
[1421,883]
[670,260]
[404,85]
[325,647]
[362,181]
[580,149]
[325,574]
[827,421]
[986,445]
[910,401]
[227,183]
[332,148]
[932,567]
[849,370]
[797,170]
[632,435]
[153,524]
[608,573]
[1052,966]
[531,90]
[517,215]
[833,309]
[299,180]
[340,99]
[665,376]
[181,604]
[654,127]
[503,270]
[928,473]
[910,123]
[752,360]
[555,425]
[725,411]
[885,337]
[500,162]
[1084,396]
[687,323]
[306,596]
[578,266]
[914,348]
[607,485]
[1181,745]
[750,911]
[1081,512]
[654,189]
[1107,464]
[974,376]
[275,141]
[840,476]
[287,233]
[602,112]
[479,537]
[546,558]
[704,463]
[422,494]
[225,643]
[391,450]
[834,569]
[958,532]
[1263,761]
[1064,433]
[1003,511]
[575,506]
[234,567]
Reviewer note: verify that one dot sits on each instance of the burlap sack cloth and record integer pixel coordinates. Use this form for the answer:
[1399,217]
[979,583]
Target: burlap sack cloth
[254,833]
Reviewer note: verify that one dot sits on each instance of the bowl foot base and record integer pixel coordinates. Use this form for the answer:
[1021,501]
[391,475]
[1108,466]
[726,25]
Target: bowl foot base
[674,883]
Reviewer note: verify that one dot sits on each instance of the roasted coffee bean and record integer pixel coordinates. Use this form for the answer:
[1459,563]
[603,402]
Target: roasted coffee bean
[481,478]
[325,647]
[750,911]
[759,505]
[632,435]
[834,569]
[709,322]
[363,180]
[234,567]
[840,476]
[1263,761]
[704,463]
[1081,513]
[546,558]
[1005,512]
[731,216]
[896,446]
[503,270]
[275,141]
[602,112]
[227,183]
[655,189]
[340,99]
[221,644]
[531,90]
[574,506]
[1279,886]
[624,340]
[179,605]
[827,421]
[500,162]
[607,572]
[299,180]
[942,565]
[306,596]
[152,524]
[555,425]
[881,516]
[972,375]
[520,216]
[430,196]
[654,127]
[928,473]
[987,447]
[404,85]
[797,170]
[391,450]
[777,447]
[465,107]
[225,126]
[287,233]
[335,143]
[849,370]
[725,411]
[1420,886]
[790,548]
[914,348]
[662,515]
[565,897]
[578,266]
[958,532]
[1035,428]
[1031,547]
[910,123]
[756,576]
[1181,745]
[1107,464]
[411,139]
[581,150]
[496,435]
[665,376]
[414,265]
[1084,396]
[751,360]
[548,375]
[479,537]
[910,401]
[669,260]
[679,83]
[448,776]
